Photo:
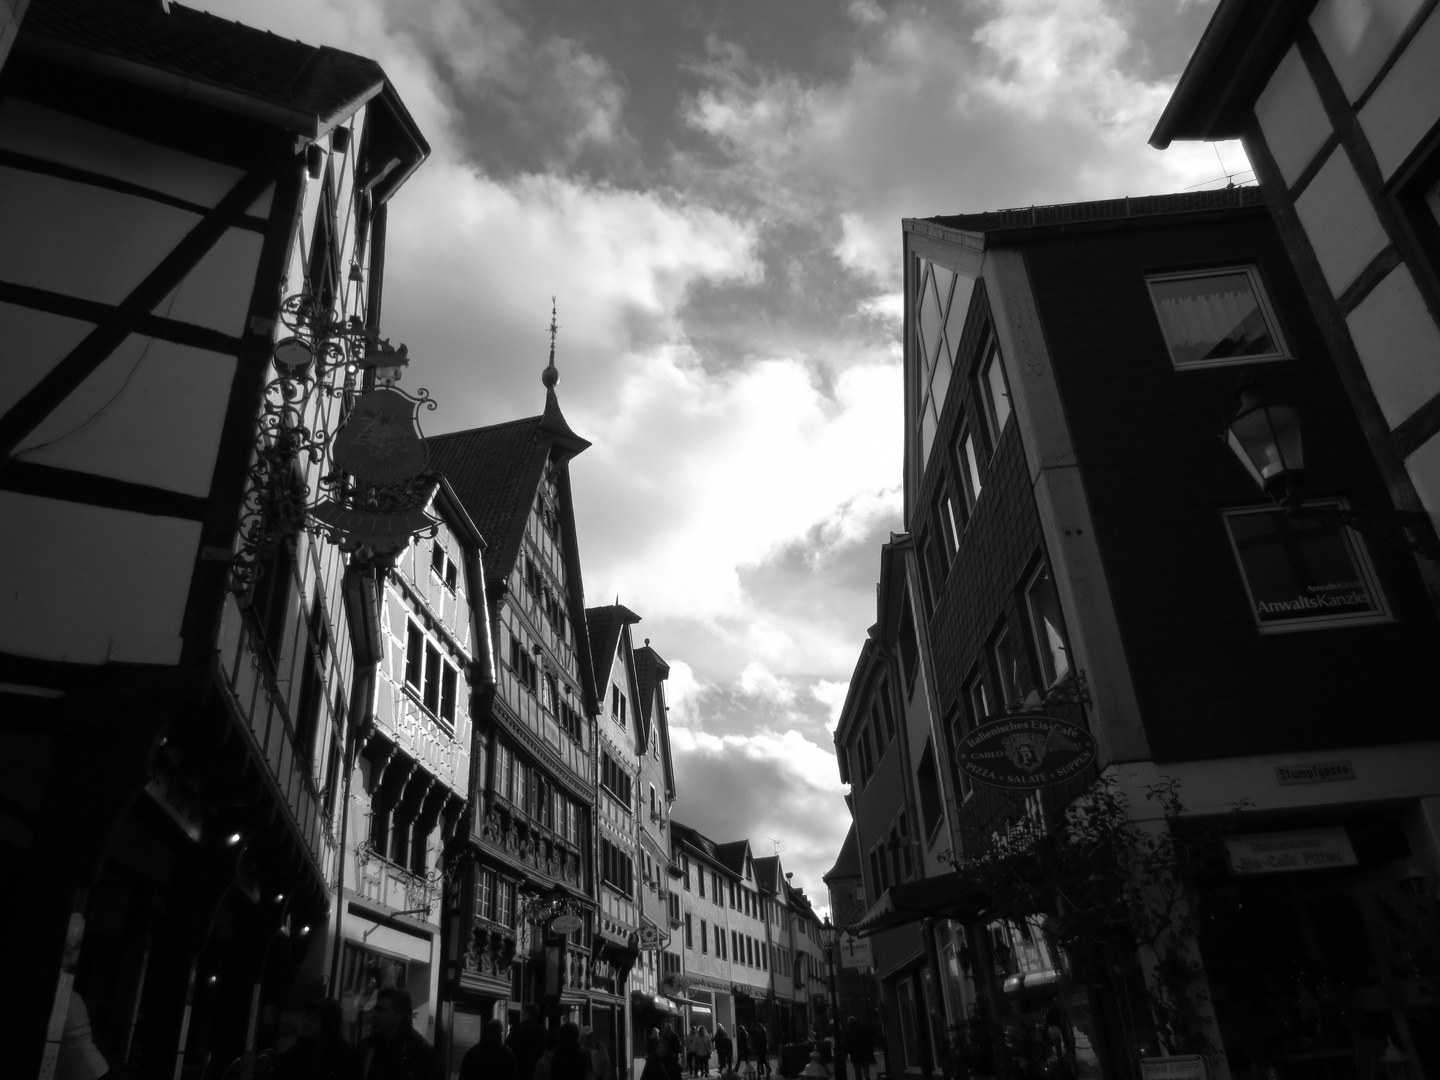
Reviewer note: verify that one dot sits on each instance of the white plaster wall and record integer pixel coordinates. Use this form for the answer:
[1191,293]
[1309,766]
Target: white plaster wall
[216,293]
[54,136]
[82,240]
[1292,117]
[150,414]
[89,584]
[1399,345]
[31,343]
[1358,35]
[1424,468]
[1406,105]
[1340,221]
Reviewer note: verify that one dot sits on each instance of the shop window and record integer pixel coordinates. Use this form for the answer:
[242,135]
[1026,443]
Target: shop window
[1215,317]
[1301,574]
[994,392]
[1048,626]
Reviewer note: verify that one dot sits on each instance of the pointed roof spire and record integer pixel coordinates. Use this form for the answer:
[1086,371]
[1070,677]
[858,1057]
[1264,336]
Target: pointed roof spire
[551,375]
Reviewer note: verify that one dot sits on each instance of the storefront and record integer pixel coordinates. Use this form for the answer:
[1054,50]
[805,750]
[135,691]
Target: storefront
[1321,944]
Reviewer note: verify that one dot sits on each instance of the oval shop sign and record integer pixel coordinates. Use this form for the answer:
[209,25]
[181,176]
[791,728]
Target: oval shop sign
[1023,752]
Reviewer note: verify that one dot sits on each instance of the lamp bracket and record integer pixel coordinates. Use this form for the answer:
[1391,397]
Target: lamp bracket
[1403,530]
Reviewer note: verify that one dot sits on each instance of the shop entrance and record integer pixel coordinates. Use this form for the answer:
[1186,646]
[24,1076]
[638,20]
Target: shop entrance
[1326,974]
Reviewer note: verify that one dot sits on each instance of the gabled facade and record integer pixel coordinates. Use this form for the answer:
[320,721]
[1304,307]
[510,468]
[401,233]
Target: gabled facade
[412,775]
[533,843]
[1081,545]
[171,180]
[1338,108]
[655,795]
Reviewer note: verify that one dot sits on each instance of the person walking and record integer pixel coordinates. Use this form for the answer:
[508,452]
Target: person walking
[321,1052]
[702,1049]
[692,1050]
[571,1060]
[724,1049]
[490,1058]
[661,1062]
[762,1050]
[527,1041]
[742,1045]
[601,1067]
[859,1048]
[395,1050]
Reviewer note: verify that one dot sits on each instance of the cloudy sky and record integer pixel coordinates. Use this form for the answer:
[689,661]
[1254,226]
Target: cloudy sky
[713,191]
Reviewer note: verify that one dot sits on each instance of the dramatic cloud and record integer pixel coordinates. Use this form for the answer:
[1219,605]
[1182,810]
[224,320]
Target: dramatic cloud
[714,193]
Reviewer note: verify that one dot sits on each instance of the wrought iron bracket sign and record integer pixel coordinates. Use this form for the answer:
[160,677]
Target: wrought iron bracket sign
[375,498]
[1025,752]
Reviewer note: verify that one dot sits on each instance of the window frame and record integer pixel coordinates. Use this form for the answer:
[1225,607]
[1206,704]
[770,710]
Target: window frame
[1038,638]
[1262,300]
[990,356]
[429,674]
[1359,556]
[969,471]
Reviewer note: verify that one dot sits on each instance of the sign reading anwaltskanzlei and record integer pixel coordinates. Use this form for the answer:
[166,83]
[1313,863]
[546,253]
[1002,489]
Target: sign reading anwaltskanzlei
[1022,752]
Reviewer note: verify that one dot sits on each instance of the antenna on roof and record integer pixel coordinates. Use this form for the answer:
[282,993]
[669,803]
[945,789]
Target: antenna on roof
[551,375]
[776,843]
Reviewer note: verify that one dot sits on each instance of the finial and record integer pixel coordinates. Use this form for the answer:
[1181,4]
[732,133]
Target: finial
[550,376]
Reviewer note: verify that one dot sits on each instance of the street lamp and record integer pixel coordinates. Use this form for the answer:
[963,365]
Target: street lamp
[1266,439]
[830,942]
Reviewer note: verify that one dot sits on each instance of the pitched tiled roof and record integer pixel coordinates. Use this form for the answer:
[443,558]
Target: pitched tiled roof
[605,624]
[1025,217]
[650,671]
[732,856]
[495,472]
[847,864]
[319,82]
[767,872]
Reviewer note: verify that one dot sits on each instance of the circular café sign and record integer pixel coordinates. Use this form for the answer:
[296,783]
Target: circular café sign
[1024,752]
[566,924]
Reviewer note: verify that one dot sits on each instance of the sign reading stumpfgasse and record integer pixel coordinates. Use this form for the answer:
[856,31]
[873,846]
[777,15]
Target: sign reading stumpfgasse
[1024,752]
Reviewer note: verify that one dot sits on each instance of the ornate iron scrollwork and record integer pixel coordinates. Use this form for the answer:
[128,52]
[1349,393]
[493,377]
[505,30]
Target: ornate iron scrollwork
[320,358]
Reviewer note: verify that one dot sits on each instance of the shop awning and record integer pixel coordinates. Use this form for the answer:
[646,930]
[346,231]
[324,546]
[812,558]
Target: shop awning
[950,896]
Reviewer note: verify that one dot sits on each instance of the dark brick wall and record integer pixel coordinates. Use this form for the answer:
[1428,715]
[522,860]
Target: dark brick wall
[1157,476]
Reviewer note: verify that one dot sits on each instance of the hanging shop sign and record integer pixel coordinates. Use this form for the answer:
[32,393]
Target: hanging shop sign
[855,951]
[649,938]
[1025,752]
[1277,853]
[566,924]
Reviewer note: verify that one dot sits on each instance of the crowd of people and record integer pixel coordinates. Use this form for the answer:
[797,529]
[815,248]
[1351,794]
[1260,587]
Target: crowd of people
[394,1050]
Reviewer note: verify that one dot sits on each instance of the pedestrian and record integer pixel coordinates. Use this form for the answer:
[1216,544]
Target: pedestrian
[552,1043]
[724,1049]
[702,1050]
[674,1046]
[600,1064]
[321,1052]
[527,1041]
[661,1062]
[571,1061]
[395,1050]
[742,1046]
[859,1048]
[692,1050]
[490,1058]
[762,1050]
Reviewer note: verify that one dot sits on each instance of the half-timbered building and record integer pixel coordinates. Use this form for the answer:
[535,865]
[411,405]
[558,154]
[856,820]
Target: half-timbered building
[526,923]
[176,192]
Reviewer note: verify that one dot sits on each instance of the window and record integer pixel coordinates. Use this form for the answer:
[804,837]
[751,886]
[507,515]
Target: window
[699,876]
[1215,317]
[616,868]
[689,932]
[524,666]
[994,391]
[927,780]
[615,779]
[312,680]
[685,871]
[505,903]
[977,697]
[939,301]
[866,756]
[947,524]
[1302,574]
[715,891]
[1007,667]
[485,894]
[444,567]
[652,805]
[909,648]
[735,948]
[969,469]
[617,704]
[433,679]
[887,710]
[1048,625]
[704,939]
